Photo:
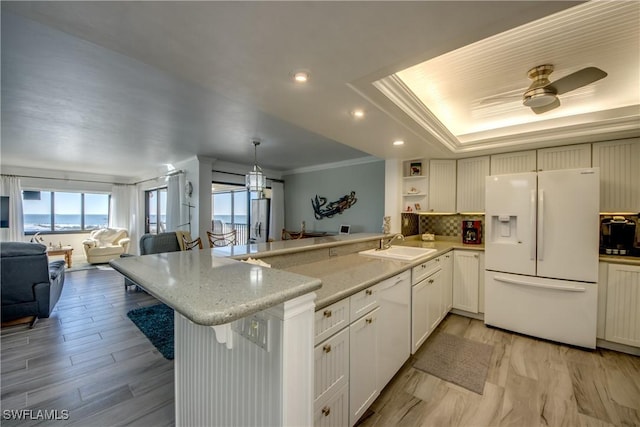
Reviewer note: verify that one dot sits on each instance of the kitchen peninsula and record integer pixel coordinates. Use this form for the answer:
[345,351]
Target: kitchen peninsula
[244,334]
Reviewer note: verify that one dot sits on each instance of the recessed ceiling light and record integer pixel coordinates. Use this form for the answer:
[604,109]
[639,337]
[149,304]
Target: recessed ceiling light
[301,76]
[358,114]
[398,142]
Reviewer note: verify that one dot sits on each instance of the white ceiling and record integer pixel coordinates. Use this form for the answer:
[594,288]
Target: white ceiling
[117,86]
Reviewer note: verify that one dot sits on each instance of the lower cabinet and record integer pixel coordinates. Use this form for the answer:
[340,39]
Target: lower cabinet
[447,282]
[622,324]
[363,361]
[466,280]
[335,411]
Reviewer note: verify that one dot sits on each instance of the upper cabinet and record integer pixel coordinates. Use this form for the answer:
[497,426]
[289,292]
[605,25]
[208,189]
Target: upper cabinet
[521,161]
[566,157]
[619,163]
[470,184]
[442,186]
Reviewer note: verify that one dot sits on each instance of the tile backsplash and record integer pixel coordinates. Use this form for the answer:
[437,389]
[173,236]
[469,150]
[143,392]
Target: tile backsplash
[446,225]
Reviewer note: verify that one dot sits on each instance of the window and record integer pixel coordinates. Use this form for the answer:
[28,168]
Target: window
[229,206]
[155,210]
[60,212]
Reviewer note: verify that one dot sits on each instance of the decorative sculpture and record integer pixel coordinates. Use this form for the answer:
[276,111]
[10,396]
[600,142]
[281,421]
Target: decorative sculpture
[337,207]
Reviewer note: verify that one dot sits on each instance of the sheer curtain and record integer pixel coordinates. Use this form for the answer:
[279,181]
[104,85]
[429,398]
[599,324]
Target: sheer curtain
[175,189]
[124,210]
[276,216]
[10,186]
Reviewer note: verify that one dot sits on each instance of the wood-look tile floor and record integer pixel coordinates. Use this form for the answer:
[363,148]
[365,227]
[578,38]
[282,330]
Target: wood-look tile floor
[88,358]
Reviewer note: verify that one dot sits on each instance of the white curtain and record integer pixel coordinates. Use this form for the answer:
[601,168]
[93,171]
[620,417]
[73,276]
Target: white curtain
[10,186]
[175,190]
[124,210]
[276,216]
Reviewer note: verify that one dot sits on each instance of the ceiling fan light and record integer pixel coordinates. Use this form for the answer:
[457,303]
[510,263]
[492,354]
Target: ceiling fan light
[539,97]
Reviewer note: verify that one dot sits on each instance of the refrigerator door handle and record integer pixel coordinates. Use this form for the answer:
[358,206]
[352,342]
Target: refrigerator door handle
[510,281]
[540,225]
[532,225]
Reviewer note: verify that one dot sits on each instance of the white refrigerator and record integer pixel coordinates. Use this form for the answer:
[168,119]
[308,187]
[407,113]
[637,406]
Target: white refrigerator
[541,254]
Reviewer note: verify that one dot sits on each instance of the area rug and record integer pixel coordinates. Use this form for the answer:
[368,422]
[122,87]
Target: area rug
[457,360]
[156,322]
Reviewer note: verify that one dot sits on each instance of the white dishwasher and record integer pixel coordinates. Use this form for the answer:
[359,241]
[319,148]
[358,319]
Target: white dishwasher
[394,328]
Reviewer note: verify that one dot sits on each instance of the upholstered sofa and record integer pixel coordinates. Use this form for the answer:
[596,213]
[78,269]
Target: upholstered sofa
[105,244]
[170,241]
[31,285]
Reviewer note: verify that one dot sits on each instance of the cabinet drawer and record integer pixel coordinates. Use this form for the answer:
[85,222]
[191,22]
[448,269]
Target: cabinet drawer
[363,302]
[331,319]
[425,269]
[335,412]
[331,366]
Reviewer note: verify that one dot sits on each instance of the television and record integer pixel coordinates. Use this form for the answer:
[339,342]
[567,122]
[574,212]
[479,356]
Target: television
[4,211]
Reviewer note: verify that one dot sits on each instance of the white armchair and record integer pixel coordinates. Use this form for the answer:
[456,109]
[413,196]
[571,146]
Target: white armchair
[106,244]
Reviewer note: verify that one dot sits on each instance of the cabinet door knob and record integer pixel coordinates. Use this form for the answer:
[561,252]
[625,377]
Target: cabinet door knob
[369,320]
[326,411]
[423,265]
[327,348]
[437,259]
[475,256]
[430,280]
[327,313]
[368,292]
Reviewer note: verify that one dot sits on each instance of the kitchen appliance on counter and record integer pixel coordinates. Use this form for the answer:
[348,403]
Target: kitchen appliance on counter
[541,254]
[472,232]
[617,236]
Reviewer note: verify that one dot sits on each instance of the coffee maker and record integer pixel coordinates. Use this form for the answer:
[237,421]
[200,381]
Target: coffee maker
[472,232]
[617,236]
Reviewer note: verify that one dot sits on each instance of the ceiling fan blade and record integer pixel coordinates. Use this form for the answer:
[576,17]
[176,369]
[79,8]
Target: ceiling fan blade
[544,109]
[500,99]
[578,79]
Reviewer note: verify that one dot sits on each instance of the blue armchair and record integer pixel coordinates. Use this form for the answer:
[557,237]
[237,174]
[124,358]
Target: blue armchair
[31,285]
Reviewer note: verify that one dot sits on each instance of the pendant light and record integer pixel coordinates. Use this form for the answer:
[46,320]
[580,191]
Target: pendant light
[255,179]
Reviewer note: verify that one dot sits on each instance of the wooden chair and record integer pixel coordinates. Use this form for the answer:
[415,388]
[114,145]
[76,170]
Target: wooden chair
[222,239]
[189,245]
[291,235]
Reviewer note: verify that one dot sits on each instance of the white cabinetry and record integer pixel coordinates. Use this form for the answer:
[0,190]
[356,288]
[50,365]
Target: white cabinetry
[466,280]
[565,157]
[430,297]
[446,262]
[470,184]
[331,365]
[363,385]
[521,161]
[619,175]
[394,327]
[442,186]
[622,323]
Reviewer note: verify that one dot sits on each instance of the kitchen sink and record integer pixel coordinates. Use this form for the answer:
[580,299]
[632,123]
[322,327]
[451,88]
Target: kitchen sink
[400,253]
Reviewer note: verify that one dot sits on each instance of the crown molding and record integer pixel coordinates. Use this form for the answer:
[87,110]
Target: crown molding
[340,164]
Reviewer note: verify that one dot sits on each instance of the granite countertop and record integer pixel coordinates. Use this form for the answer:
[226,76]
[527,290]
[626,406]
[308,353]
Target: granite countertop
[620,259]
[210,290]
[283,247]
[346,275]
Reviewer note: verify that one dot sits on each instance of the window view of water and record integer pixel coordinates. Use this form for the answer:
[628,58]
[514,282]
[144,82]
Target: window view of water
[42,222]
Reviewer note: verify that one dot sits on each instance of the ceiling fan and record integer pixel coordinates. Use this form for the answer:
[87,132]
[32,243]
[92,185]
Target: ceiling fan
[542,95]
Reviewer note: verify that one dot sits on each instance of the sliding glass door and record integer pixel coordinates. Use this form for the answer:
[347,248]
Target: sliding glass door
[155,210]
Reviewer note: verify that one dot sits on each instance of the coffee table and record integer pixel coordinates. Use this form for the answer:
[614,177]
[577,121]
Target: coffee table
[63,250]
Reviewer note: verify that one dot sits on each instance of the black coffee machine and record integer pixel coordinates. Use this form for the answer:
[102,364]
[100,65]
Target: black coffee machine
[617,236]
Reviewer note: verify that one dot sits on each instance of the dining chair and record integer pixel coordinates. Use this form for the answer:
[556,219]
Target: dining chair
[222,239]
[291,235]
[189,245]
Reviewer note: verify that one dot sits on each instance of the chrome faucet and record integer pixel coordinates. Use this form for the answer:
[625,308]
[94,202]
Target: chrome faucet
[387,244]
